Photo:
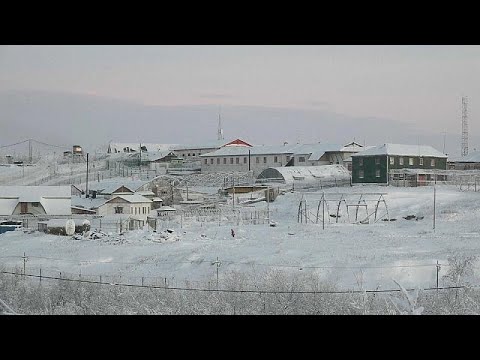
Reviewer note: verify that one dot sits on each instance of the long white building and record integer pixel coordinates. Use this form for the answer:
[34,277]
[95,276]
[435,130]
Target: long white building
[258,158]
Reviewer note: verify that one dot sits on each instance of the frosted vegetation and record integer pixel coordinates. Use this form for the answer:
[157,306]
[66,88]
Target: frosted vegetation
[268,293]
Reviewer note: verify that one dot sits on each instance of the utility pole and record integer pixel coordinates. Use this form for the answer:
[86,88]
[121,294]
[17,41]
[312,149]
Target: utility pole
[434,201]
[464,126]
[248,159]
[86,186]
[218,265]
[323,211]
[30,151]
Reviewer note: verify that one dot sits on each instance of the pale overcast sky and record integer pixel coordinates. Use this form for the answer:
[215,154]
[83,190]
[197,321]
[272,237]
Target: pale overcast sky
[420,85]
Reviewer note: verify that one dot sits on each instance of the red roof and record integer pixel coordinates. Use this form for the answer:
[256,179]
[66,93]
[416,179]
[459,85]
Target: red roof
[238,142]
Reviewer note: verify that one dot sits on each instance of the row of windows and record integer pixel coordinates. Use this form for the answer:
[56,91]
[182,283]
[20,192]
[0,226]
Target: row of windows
[361,174]
[400,161]
[135,210]
[245,160]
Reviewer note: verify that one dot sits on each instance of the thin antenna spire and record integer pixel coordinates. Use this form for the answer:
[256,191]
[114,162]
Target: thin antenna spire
[220,130]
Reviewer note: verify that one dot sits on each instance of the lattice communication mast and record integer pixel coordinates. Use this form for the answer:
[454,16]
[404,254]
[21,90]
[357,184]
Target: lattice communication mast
[464,126]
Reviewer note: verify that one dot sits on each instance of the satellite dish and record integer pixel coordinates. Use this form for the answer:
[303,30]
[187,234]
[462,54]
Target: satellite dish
[70,227]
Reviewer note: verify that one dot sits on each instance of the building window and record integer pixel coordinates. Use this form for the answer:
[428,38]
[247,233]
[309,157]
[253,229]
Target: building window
[211,161]
[264,159]
[360,162]
[244,160]
[288,158]
[257,160]
[188,154]
[377,161]
[401,161]
[392,160]
[360,174]
[224,160]
[410,161]
[432,162]
[237,160]
[193,154]
[231,160]
[301,159]
[420,161]
[218,161]
[377,173]
[35,204]
[206,161]
[275,159]
[118,210]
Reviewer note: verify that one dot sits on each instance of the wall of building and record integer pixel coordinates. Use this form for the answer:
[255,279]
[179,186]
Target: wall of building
[384,163]
[258,163]
[30,208]
[137,210]
[193,154]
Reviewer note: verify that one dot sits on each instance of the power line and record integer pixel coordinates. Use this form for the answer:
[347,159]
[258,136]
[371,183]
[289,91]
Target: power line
[312,292]
[21,142]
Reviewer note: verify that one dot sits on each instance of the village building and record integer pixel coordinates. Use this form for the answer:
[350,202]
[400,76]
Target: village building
[35,200]
[137,207]
[259,158]
[468,162]
[373,165]
[111,187]
[306,176]
[115,148]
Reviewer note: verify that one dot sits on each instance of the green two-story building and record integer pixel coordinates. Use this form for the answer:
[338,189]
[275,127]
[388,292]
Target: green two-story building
[373,165]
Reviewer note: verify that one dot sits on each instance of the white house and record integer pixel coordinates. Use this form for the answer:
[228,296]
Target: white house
[35,200]
[136,206]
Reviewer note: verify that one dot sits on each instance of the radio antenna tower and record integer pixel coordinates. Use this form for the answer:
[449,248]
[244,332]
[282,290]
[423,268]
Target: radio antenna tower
[464,126]
[220,130]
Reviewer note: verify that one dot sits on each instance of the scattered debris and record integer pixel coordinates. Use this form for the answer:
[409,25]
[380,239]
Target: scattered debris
[273,223]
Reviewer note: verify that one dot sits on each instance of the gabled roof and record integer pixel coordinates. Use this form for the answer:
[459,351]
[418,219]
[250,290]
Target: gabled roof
[108,186]
[238,142]
[56,200]
[402,150]
[135,198]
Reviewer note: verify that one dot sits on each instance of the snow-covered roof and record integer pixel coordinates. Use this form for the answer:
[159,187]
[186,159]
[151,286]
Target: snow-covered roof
[402,150]
[306,174]
[54,199]
[110,185]
[145,193]
[208,145]
[316,150]
[134,198]
[88,203]
[166,208]
[473,157]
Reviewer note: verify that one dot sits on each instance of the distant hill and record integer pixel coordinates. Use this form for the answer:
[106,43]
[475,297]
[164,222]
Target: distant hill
[87,120]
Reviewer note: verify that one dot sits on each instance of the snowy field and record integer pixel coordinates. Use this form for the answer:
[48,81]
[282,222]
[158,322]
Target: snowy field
[352,256]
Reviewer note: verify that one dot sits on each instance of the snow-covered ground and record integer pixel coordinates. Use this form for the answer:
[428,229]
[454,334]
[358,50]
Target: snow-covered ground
[350,255]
